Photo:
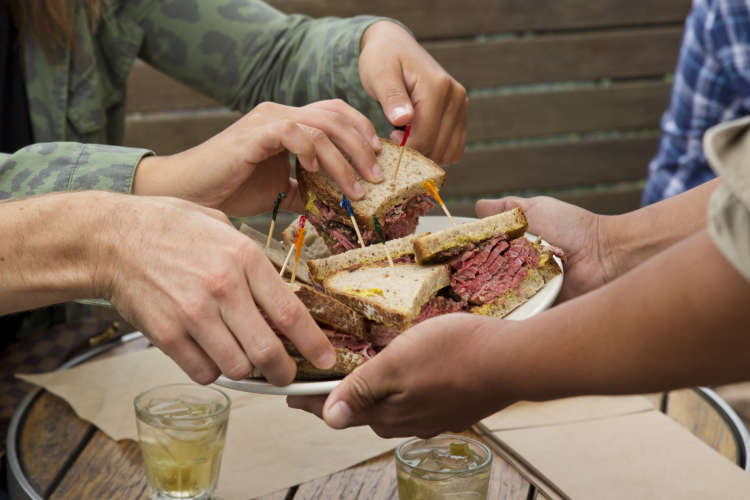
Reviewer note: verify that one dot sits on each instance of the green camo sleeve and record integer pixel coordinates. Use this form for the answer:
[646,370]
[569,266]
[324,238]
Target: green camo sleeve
[242,52]
[68,166]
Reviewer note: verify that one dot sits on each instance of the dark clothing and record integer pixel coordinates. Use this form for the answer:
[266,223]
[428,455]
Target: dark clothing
[15,126]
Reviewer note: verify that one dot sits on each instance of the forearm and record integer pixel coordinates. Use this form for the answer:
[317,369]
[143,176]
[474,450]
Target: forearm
[680,319]
[68,166]
[630,239]
[49,249]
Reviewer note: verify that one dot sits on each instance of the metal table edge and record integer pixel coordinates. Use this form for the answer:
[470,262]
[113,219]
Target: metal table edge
[19,486]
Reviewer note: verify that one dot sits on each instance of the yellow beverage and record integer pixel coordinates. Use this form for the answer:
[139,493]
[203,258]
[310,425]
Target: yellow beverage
[182,440]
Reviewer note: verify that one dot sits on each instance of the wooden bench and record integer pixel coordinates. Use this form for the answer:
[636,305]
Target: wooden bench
[566,95]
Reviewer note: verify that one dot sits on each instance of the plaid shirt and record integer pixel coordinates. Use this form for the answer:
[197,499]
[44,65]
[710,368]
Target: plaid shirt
[711,85]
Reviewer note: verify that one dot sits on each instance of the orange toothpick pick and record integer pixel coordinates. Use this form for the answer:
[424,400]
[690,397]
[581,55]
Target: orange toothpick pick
[300,229]
[430,186]
[298,244]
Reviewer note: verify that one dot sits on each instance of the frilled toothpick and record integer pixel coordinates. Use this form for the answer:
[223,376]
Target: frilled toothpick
[300,230]
[379,231]
[298,242]
[401,153]
[348,206]
[280,197]
[430,186]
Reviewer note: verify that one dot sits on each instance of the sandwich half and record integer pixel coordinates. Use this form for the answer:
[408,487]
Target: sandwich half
[397,203]
[345,328]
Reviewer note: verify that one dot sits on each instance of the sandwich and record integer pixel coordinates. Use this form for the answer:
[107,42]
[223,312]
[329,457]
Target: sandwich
[482,267]
[345,328]
[397,203]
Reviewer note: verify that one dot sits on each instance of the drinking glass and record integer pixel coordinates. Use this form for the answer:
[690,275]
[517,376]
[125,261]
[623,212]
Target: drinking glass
[181,432]
[446,467]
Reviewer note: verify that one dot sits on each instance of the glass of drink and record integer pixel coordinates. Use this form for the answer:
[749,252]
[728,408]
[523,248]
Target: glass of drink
[181,431]
[445,467]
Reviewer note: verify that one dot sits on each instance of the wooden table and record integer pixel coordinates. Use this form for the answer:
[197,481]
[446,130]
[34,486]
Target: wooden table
[54,454]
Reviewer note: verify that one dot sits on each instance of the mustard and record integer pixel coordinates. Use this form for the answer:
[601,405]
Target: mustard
[310,205]
[364,292]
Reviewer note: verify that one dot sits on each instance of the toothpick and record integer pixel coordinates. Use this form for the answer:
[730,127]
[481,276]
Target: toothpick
[300,229]
[280,197]
[429,186]
[348,206]
[298,244]
[379,230]
[401,153]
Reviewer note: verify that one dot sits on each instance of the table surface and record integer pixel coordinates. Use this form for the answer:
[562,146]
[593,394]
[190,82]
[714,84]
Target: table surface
[66,457]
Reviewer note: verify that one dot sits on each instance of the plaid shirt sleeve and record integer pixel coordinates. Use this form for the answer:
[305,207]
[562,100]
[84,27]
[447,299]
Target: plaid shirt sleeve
[711,85]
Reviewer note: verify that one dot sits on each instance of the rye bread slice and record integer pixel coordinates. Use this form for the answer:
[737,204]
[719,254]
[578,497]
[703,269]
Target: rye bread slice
[320,269]
[431,248]
[391,296]
[314,246]
[346,362]
[330,312]
[379,198]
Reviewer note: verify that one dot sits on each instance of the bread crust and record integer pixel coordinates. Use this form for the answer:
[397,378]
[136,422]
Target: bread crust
[329,311]
[431,248]
[346,362]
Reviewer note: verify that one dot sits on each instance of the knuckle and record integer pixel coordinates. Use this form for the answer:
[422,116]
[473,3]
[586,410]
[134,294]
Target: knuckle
[318,137]
[267,355]
[364,396]
[194,309]
[219,284]
[287,126]
[239,369]
[444,83]
[264,107]
[288,314]
[169,339]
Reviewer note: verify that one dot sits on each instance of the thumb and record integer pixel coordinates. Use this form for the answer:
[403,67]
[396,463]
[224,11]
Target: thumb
[392,95]
[484,208]
[349,403]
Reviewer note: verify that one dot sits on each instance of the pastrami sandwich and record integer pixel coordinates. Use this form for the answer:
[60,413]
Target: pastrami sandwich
[314,246]
[397,203]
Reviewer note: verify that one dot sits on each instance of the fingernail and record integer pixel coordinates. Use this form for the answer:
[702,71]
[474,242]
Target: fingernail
[359,192]
[339,415]
[327,360]
[377,172]
[399,111]
[376,142]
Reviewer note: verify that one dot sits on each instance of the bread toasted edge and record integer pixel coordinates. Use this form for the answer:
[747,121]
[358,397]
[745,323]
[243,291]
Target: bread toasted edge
[430,248]
[346,362]
[330,312]
[320,269]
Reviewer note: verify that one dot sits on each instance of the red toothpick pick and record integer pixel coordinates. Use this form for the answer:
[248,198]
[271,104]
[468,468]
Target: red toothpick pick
[430,186]
[300,229]
[401,153]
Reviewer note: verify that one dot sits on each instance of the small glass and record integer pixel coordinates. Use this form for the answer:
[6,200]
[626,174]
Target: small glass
[181,431]
[444,467]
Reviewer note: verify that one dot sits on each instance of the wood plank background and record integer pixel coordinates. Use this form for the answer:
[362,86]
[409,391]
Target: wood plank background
[566,95]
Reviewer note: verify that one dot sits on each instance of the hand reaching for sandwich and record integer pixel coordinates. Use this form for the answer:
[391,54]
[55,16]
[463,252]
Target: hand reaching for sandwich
[429,379]
[412,87]
[578,232]
[193,284]
[242,169]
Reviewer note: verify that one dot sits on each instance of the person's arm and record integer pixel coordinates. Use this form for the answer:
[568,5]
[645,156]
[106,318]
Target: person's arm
[68,166]
[177,271]
[244,52]
[678,320]
[600,248]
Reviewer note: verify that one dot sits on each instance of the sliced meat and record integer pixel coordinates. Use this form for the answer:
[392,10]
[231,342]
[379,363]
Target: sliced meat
[486,272]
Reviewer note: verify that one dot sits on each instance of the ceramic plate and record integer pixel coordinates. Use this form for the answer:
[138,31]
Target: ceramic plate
[538,303]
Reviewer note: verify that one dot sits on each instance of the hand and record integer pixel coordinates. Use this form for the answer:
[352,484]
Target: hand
[242,169]
[431,378]
[194,285]
[578,232]
[412,87]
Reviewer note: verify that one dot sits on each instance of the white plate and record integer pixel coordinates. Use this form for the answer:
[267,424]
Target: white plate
[538,303]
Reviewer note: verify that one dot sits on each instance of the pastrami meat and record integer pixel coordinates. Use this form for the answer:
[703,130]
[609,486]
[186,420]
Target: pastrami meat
[335,226]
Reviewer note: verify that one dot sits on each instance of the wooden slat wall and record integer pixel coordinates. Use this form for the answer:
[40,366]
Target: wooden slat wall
[566,95]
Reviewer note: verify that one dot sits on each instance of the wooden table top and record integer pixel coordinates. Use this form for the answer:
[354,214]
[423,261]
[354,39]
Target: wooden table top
[63,456]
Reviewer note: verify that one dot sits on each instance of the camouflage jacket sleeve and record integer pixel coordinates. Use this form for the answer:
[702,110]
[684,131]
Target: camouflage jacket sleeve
[67,166]
[242,52]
